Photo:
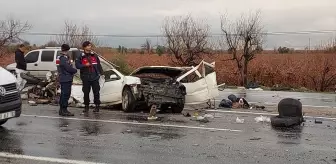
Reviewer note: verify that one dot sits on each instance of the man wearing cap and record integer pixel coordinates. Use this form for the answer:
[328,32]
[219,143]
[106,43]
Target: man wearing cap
[66,73]
[90,71]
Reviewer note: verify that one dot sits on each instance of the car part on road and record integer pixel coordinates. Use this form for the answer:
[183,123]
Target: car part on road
[240,121]
[290,113]
[285,121]
[262,119]
[318,121]
[290,107]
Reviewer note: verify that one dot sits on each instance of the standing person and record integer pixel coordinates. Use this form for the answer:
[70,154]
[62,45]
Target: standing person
[66,73]
[90,71]
[21,64]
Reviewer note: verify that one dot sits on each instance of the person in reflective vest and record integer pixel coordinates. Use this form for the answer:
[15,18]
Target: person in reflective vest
[66,73]
[90,71]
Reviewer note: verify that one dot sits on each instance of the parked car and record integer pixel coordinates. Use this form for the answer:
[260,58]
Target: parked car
[41,61]
[10,98]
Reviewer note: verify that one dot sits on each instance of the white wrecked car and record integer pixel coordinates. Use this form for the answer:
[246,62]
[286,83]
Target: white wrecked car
[166,87]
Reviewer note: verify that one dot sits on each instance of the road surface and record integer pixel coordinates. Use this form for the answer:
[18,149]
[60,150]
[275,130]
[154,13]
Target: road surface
[41,136]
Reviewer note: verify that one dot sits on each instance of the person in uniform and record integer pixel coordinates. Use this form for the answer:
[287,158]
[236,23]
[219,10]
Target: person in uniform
[90,71]
[66,73]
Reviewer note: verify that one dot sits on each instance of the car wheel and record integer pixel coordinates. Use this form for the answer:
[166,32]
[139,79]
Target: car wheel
[128,100]
[2,122]
[178,108]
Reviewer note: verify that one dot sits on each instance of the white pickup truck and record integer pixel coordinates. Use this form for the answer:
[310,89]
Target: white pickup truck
[199,81]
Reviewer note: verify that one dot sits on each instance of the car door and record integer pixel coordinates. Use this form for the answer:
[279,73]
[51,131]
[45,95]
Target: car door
[47,62]
[32,60]
[196,86]
[111,91]
[211,79]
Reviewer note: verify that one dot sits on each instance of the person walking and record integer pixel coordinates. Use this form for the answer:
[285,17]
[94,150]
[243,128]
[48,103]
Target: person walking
[90,71]
[66,73]
[21,65]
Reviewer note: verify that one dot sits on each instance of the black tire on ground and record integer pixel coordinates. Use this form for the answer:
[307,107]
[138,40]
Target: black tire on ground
[128,100]
[290,107]
[178,108]
[277,121]
[2,122]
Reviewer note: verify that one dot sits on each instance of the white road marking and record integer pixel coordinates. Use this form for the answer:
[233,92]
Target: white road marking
[134,123]
[266,114]
[46,159]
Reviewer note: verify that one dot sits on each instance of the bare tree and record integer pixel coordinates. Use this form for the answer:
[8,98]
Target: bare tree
[10,32]
[244,38]
[147,46]
[75,35]
[187,39]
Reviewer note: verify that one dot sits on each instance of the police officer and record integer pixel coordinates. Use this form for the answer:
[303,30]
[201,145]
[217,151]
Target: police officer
[66,73]
[90,71]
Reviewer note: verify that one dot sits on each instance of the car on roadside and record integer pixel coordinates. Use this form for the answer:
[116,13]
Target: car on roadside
[10,98]
[180,86]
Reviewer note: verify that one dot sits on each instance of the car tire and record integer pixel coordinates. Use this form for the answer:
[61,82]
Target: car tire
[2,122]
[286,121]
[178,108]
[128,100]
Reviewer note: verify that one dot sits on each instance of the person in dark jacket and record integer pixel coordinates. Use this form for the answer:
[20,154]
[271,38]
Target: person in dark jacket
[19,58]
[66,73]
[90,71]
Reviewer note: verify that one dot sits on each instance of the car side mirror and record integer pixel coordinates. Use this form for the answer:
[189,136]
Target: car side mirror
[113,76]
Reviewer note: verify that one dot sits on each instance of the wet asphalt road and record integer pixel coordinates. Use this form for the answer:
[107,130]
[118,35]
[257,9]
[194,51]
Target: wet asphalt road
[127,138]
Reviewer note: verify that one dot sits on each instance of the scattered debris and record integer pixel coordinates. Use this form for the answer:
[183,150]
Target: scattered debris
[318,121]
[255,138]
[202,119]
[186,115]
[152,112]
[129,130]
[32,103]
[262,119]
[209,116]
[152,118]
[240,121]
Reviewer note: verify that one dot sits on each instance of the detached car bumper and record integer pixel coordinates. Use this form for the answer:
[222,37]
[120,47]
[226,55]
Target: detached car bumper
[10,103]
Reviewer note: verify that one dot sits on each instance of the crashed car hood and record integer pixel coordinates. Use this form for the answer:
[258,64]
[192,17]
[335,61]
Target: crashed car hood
[172,72]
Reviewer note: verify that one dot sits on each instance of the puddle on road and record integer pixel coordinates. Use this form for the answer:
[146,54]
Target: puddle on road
[289,136]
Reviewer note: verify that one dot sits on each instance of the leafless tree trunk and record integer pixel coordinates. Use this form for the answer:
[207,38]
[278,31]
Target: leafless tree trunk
[244,38]
[187,39]
[147,46]
[10,32]
[75,35]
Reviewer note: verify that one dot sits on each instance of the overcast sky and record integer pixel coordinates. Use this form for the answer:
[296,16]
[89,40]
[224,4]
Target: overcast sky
[141,17]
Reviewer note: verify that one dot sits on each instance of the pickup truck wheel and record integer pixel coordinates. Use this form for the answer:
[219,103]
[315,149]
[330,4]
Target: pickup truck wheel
[178,108]
[2,122]
[128,100]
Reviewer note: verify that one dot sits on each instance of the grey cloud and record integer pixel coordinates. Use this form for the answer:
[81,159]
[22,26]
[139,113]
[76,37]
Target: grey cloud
[141,17]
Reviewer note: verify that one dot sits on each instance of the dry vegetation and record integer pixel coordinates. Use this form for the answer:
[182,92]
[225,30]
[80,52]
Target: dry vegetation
[290,70]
